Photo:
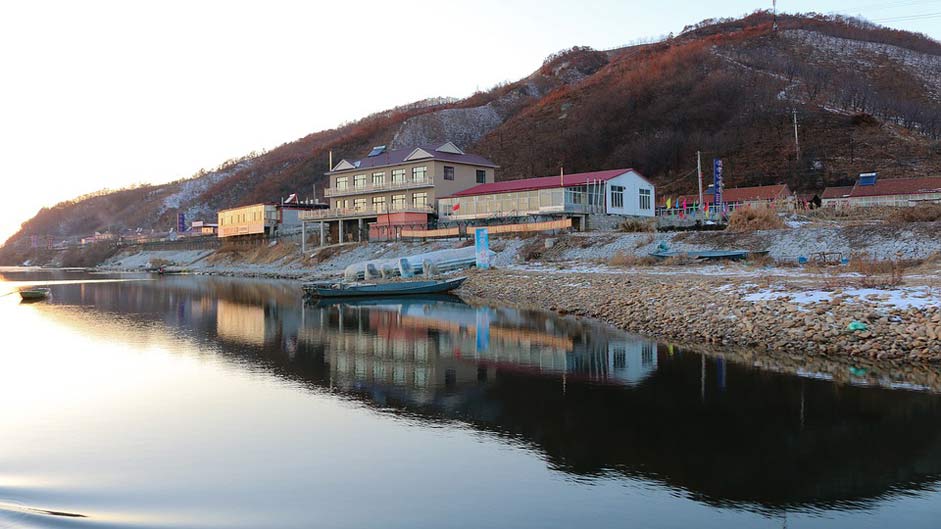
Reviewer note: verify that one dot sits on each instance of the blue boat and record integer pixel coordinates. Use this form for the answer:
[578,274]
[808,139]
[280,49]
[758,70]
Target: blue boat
[327,289]
[733,255]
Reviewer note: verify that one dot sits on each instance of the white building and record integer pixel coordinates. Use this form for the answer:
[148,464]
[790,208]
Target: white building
[613,192]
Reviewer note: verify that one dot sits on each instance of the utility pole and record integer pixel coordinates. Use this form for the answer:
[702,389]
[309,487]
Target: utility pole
[699,172]
[774,10]
[797,146]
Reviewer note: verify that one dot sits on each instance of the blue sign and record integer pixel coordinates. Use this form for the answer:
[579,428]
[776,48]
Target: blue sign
[181,223]
[717,183]
[482,248]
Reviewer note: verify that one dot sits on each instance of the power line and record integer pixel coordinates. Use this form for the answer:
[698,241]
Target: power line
[922,16]
[896,5]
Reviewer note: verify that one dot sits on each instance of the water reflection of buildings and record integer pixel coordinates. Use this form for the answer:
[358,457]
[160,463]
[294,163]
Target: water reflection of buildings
[421,344]
[593,400]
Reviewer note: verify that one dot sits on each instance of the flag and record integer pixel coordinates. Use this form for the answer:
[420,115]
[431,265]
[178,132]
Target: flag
[668,203]
[684,202]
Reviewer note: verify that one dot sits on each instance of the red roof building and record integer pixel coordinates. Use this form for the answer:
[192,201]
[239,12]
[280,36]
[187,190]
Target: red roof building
[610,192]
[869,190]
[545,182]
[735,196]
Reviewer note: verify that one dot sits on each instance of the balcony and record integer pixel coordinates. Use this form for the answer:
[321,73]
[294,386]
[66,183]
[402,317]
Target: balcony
[352,213]
[378,188]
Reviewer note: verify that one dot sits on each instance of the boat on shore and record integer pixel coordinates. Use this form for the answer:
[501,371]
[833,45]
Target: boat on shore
[708,255]
[34,293]
[331,289]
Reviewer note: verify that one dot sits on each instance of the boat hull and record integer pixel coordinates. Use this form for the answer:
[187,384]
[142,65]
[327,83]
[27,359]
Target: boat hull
[408,288]
[34,295]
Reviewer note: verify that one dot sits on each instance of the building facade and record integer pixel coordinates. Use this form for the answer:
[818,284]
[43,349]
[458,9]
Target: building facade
[392,189]
[264,220]
[895,192]
[779,196]
[613,192]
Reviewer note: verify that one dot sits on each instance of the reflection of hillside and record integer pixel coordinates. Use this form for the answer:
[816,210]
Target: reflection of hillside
[593,400]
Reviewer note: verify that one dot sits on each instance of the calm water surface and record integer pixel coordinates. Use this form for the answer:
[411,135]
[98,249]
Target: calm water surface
[223,403]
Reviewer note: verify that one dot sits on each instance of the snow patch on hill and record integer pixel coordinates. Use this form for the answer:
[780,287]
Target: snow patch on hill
[869,56]
[189,190]
[464,126]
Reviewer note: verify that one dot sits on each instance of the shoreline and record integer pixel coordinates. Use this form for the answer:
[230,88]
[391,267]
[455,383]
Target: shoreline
[730,314]
[726,316]
[767,309]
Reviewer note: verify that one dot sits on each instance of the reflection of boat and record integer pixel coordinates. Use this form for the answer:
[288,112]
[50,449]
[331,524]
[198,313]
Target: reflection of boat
[398,288]
[417,299]
[34,293]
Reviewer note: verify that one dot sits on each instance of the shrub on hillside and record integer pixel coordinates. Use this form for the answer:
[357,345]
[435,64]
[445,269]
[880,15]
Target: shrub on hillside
[751,219]
[634,225]
[628,260]
[926,213]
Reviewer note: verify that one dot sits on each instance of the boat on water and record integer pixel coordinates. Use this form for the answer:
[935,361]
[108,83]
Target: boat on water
[330,289]
[34,293]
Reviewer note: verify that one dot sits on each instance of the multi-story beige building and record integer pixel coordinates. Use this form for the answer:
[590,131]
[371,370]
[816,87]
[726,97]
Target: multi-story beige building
[387,190]
[262,219]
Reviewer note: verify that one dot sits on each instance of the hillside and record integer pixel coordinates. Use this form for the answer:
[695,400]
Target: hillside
[866,98]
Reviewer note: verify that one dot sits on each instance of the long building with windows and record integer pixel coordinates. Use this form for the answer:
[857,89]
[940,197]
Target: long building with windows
[389,190]
[262,220]
[870,190]
[623,192]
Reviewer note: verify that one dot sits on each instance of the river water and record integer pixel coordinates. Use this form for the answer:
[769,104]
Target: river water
[181,401]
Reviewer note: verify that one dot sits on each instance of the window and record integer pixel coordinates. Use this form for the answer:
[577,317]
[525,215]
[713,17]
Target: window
[378,179]
[644,199]
[398,201]
[343,182]
[617,197]
[448,172]
[359,181]
[359,204]
[481,176]
[398,176]
[419,173]
[379,203]
[420,200]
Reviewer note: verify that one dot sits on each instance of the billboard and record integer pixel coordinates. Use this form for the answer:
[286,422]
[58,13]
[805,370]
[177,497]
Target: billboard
[180,223]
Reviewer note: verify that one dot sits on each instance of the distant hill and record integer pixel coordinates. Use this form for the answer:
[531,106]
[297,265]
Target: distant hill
[866,98]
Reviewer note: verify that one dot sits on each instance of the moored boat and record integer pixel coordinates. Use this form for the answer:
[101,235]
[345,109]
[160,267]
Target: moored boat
[34,293]
[326,289]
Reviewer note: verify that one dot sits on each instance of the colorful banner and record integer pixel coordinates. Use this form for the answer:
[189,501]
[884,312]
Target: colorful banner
[717,182]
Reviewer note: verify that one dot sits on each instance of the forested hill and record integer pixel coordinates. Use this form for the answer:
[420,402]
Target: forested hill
[866,98]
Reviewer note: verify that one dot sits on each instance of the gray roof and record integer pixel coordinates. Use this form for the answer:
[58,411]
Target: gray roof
[398,156]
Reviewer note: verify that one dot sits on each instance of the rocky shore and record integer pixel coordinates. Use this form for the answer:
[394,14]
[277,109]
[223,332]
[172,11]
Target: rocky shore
[849,324]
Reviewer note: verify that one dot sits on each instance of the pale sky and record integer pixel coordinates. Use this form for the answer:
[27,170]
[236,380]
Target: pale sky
[98,94]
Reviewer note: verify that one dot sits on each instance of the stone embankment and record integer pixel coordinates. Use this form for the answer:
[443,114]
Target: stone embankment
[697,309]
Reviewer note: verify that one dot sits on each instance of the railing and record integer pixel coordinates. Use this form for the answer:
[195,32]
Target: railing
[377,188]
[339,213]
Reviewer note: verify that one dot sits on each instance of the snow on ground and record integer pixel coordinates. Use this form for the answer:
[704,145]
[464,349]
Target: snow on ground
[900,298]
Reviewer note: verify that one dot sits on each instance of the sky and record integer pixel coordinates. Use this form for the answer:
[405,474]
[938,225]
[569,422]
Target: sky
[101,94]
